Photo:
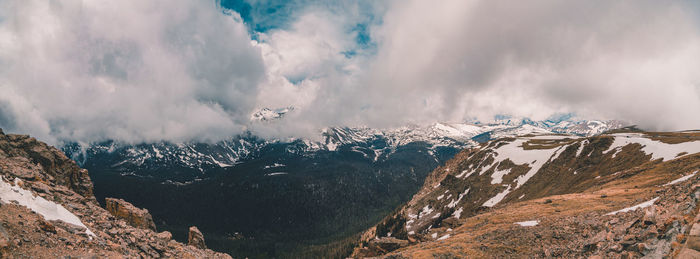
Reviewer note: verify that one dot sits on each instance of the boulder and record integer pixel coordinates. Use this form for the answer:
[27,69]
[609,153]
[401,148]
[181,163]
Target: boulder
[136,217]
[649,215]
[688,254]
[195,238]
[165,236]
[693,242]
[695,230]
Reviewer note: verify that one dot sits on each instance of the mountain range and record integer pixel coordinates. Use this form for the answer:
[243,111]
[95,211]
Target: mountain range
[375,144]
[255,197]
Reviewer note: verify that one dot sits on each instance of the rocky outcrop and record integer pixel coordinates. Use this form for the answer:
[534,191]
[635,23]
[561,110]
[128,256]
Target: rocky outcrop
[195,238]
[136,217]
[691,249]
[47,210]
[29,159]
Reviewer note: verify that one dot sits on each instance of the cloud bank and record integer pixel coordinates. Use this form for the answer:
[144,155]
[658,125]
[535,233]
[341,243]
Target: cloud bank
[193,70]
[128,70]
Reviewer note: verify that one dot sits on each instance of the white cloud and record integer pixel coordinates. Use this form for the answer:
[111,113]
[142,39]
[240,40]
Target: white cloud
[129,70]
[455,60]
[181,70]
[599,58]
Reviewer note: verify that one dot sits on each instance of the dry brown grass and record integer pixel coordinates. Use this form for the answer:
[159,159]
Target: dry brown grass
[613,193]
[673,137]
[547,143]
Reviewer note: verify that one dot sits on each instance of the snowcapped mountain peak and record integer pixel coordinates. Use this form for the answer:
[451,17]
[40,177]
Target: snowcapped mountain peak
[267,114]
[375,144]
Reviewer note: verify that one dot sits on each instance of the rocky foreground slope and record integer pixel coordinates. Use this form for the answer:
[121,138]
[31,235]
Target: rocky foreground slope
[624,194]
[47,210]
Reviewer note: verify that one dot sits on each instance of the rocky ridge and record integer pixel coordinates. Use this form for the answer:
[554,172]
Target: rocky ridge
[376,144]
[553,196]
[47,209]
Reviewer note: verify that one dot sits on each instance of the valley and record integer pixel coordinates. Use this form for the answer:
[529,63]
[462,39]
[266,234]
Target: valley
[377,129]
[272,198]
[623,193]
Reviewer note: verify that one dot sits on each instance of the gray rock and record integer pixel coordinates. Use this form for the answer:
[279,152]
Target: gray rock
[195,238]
[687,253]
[693,242]
[695,230]
[136,217]
[649,215]
[165,235]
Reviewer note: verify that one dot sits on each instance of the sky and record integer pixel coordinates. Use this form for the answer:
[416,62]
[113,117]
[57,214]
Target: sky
[180,70]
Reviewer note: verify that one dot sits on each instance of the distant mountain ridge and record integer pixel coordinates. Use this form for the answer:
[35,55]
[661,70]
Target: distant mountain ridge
[252,195]
[373,143]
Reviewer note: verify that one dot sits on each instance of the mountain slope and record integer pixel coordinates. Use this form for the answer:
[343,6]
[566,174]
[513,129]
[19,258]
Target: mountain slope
[256,197]
[470,204]
[48,210]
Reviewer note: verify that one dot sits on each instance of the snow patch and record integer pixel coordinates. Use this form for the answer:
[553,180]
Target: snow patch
[331,146]
[657,149]
[534,158]
[497,176]
[529,223]
[43,207]
[425,211]
[275,165]
[638,206]
[444,237]
[465,174]
[220,164]
[485,167]
[458,212]
[559,151]
[580,148]
[498,198]
[682,179]
[461,195]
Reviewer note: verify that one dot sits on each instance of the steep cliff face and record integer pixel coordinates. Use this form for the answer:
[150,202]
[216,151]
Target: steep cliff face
[47,209]
[29,159]
[551,195]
